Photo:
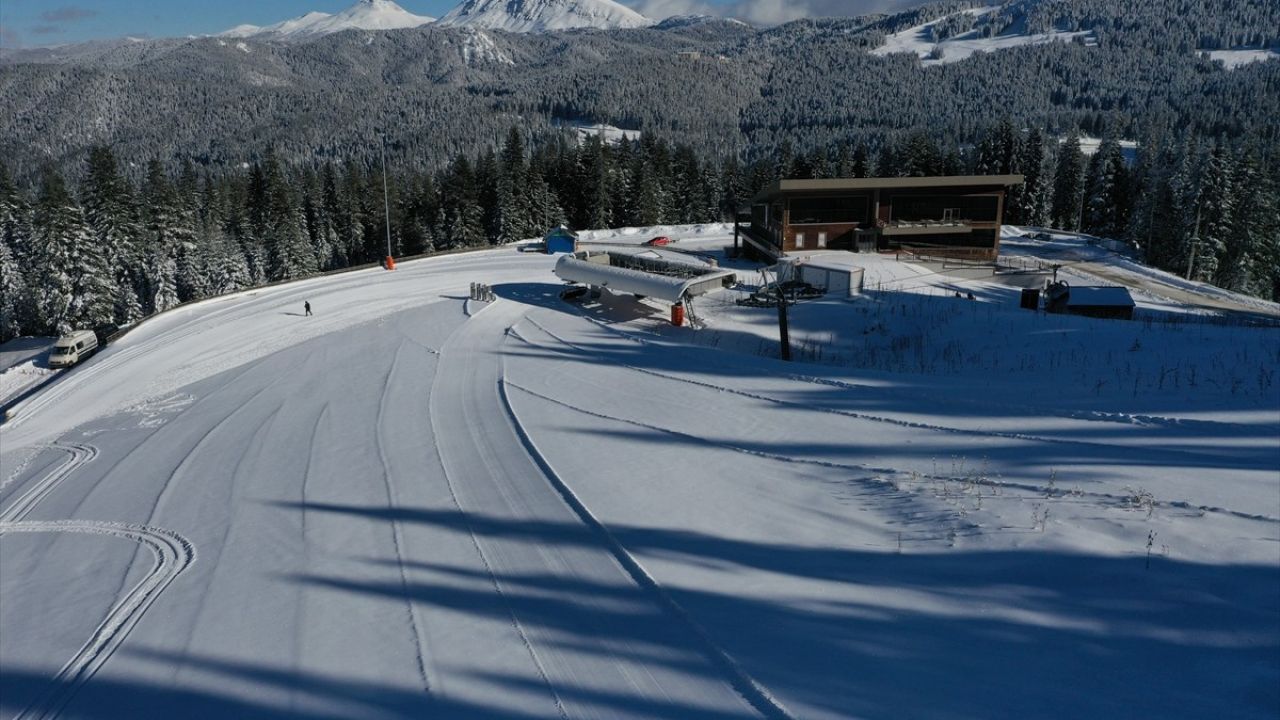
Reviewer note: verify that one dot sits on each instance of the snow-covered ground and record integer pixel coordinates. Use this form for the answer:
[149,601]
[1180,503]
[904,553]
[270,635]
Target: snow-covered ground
[417,505]
[606,133]
[917,41]
[1232,59]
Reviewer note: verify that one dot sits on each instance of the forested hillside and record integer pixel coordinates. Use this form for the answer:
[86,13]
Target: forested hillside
[140,175]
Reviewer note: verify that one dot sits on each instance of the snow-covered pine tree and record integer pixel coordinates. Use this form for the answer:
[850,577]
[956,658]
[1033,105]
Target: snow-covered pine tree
[162,232]
[332,210]
[112,214]
[1254,231]
[1177,214]
[70,277]
[1217,212]
[1032,206]
[13,294]
[919,157]
[545,210]
[687,192]
[1106,205]
[512,202]
[861,161]
[594,183]
[1068,184]
[15,238]
[289,254]
[461,204]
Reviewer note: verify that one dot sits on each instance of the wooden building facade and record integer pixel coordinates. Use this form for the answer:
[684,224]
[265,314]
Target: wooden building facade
[955,216]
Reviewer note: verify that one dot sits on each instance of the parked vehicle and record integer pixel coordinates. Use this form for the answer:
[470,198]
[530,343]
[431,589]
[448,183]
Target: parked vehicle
[660,240]
[71,349]
[104,332]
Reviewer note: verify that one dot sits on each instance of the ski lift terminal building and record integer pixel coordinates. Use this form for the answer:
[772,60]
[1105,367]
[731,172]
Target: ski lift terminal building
[953,216]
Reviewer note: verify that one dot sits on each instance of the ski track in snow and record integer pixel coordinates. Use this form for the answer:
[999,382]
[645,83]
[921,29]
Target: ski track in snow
[540,502]
[484,557]
[172,554]
[79,455]
[755,693]
[397,535]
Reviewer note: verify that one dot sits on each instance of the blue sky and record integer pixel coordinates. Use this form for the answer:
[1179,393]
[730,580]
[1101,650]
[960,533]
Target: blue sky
[29,23]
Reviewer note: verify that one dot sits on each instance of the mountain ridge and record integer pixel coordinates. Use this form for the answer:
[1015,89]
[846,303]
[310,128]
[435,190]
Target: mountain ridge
[364,15]
[524,16]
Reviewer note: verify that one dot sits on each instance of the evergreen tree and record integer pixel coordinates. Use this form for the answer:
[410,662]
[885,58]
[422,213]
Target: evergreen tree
[71,276]
[13,295]
[460,202]
[1217,213]
[1032,204]
[919,157]
[1107,203]
[1068,185]
[111,213]
[595,183]
[513,210]
[163,234]
[331,211]
[861,161]
[289,254]
[16,305]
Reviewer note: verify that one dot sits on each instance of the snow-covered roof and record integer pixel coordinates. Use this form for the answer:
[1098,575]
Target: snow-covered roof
[662,287]
[1097,296]
[561,231]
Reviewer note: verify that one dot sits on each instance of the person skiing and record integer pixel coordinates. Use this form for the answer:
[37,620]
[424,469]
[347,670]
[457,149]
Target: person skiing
[306,305]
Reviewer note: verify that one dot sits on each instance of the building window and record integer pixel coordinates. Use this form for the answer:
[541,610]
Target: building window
[944,208]
[822,239]
[828,210]
[799,240]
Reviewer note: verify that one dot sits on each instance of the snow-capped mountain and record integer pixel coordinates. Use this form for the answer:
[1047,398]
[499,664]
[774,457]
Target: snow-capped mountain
[364,15]
[544,15]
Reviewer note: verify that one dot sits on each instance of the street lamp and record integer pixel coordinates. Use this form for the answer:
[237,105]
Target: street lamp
[386,203]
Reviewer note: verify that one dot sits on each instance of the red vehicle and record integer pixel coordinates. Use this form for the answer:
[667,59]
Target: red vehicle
[660,240]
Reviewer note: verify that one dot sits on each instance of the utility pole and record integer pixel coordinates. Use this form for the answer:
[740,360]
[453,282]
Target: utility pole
[1195,243]
[782,324]
[386,202]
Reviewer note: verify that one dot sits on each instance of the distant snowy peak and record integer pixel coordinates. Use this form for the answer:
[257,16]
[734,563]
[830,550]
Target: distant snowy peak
[364,15]
[523,16]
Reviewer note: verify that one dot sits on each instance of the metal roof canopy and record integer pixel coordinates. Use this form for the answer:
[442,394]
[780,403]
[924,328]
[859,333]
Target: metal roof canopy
[662,287]
[836,185]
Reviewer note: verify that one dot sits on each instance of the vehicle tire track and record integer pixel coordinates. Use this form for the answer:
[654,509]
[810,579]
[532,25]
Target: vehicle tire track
[173,554]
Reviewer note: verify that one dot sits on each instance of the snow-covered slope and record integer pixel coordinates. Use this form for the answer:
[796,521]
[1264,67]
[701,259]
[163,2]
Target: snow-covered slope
[1232,59]
[918,41]
[364,15]
[544,15]
[412,504]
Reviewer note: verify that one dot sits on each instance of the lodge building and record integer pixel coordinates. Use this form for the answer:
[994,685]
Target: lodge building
[954,216]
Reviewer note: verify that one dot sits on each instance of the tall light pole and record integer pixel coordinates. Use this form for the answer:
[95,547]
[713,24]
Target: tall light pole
[386,202]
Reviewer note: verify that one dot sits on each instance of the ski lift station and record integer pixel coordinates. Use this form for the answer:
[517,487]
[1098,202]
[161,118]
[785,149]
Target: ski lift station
[604,270]
[838,278]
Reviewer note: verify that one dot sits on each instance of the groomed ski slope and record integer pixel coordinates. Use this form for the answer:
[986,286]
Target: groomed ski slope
[417,505]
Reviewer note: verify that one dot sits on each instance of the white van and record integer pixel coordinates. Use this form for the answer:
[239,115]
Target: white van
[71,349]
